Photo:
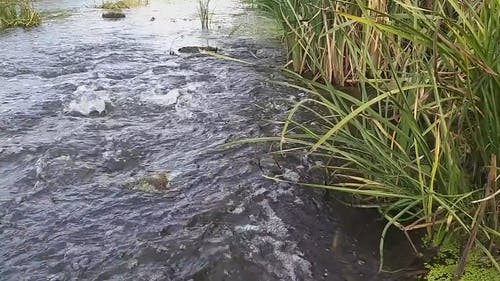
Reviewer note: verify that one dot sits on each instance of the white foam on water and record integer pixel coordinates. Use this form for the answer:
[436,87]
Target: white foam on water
[88,101]
[273,232]
[195,86]
[260,191]
[293,263]
[274,224]
[238,210]
[167,99]
[280,192]
[291,259]
[171,64]
[247,228]
[86,105]
[291,175]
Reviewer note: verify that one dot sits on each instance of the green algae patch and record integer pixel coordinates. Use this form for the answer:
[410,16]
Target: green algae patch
[154,183]
[473,272]
[478,268]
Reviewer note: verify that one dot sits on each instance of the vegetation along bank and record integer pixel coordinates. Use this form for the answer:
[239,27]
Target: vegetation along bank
[406,111]
[18,13]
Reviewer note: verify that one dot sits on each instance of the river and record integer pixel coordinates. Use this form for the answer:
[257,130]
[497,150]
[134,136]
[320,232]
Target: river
[88,106]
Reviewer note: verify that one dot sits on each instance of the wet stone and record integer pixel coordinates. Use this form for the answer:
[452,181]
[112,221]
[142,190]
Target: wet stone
[113,15]
[197,49]
[155,183]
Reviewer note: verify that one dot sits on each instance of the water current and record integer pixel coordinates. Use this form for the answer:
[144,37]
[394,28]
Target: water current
[88,107]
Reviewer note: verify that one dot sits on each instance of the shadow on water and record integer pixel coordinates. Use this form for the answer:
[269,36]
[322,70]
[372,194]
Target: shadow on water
[87,106]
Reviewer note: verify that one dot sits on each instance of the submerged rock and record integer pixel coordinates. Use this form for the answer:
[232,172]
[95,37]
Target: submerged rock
[113,15]
[197,49]
[155,183]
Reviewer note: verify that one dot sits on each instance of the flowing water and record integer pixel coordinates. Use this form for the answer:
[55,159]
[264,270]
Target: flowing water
[90,106]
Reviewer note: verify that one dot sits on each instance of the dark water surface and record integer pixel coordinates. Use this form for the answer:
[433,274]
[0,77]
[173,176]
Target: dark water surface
[89,105]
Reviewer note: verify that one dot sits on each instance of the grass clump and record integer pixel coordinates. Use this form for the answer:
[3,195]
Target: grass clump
[18,13]
[417,135]
[204,13]
[122,4]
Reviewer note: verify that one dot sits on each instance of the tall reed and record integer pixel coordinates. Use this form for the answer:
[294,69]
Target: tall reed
[204,13]
[18,13]
[418,136]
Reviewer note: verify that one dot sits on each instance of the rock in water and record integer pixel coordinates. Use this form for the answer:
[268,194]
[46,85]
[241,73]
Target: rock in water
[113,15]
[155,183]
[197,49]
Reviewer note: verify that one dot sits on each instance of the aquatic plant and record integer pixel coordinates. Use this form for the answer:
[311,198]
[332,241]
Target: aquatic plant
[154,183]
[417,136]
[443,267]
[122,4]
[204,13]
[18,13]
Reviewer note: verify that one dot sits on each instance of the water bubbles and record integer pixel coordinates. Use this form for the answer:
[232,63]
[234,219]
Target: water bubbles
[89,101]
[87,105]
[238,210]
[163,99]
[291,175]
[39,167]
[133,263]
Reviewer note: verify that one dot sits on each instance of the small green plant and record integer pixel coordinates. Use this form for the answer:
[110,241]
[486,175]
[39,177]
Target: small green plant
[122,4]
[204,13]
[18,13]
